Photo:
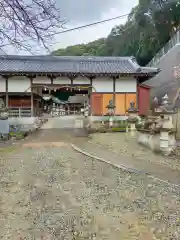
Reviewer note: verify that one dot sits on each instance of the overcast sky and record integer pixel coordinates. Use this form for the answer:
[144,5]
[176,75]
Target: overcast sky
[82,12]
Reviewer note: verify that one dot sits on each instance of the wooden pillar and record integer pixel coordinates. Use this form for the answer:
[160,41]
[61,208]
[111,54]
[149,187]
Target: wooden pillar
[90,96]
[52,82]
[114,93]
[7,95]
[137,92]
[32,98]
[114,90]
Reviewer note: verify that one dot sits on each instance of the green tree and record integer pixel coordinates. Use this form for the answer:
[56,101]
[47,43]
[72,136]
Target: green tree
[149,26]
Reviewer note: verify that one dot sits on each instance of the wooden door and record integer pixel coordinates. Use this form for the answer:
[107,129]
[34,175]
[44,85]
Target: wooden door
[96,104]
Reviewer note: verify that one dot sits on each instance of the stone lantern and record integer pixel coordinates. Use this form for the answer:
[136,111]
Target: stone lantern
[167,132]
[86,109]
[132,117]
[4,114]
[4,125]
[155,104]
[111,111]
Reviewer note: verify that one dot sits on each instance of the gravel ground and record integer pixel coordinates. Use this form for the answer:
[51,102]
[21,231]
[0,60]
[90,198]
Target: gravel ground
[57,193]
[125,145]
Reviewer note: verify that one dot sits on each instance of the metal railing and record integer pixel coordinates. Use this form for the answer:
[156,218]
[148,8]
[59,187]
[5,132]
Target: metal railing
[168,46]
[19,112]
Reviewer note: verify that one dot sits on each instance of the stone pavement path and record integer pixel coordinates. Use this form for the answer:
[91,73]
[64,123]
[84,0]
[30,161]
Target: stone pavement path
[124,150]
[49,191]
[162,172]
[124,145]
[60,122]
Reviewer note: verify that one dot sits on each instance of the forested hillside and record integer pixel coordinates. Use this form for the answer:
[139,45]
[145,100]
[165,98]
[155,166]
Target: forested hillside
[149,26]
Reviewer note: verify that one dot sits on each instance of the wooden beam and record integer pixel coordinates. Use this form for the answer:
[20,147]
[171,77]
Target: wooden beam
[144,76]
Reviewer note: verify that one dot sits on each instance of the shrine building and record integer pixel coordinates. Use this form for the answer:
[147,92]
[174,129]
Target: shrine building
[24,80]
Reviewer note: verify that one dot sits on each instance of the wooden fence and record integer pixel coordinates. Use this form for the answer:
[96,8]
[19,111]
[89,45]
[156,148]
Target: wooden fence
[19,112]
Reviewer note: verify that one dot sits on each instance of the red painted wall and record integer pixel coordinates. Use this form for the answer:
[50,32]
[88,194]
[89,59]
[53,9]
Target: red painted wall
[19,101]
[143,99]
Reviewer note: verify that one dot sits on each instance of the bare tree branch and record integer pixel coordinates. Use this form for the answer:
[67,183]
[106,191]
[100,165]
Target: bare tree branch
[32,20]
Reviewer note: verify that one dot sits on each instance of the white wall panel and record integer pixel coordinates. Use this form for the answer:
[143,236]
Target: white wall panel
[19,84]
[42,80]
[126,85]
[61,80]
[102,84]
[81,80]
[2,85]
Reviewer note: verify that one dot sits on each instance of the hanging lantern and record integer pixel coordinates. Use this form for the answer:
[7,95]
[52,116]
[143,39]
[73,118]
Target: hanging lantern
[46,97]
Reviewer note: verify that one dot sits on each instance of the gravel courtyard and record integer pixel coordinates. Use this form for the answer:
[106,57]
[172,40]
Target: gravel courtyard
[124,145]
[49,191]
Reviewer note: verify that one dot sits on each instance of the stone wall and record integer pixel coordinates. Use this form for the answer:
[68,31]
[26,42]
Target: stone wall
[176,123]
[25,123]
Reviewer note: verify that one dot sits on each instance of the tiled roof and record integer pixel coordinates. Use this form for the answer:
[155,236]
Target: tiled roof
[68,64]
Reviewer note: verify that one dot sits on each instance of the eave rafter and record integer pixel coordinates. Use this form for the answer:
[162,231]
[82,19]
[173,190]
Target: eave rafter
[142,76]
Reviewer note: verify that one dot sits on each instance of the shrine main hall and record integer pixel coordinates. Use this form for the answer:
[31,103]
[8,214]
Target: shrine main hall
[25,79]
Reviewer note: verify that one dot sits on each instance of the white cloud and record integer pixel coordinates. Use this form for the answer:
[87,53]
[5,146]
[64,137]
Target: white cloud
[88,34]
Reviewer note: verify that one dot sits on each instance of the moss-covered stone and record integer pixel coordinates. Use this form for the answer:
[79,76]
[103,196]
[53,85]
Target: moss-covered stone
[18,135]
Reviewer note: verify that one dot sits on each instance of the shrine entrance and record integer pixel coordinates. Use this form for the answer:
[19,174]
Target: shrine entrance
[59,101]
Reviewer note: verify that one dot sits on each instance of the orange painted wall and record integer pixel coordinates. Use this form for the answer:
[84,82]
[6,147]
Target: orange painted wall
[99,101]
[120,104]
[106,98]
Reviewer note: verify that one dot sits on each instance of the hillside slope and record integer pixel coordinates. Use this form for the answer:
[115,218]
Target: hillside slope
[150,25]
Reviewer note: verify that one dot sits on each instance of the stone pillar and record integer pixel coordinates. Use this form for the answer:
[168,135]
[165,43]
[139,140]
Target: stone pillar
[167,135]
[168,122]
[127,128]
[172,140]
[111,110]
[164,141]
[132,127]
[111,121]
